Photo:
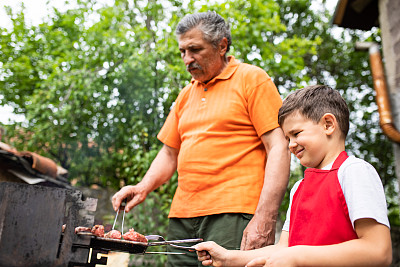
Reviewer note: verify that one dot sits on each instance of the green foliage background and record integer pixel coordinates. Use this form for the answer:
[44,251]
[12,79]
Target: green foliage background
[96,82]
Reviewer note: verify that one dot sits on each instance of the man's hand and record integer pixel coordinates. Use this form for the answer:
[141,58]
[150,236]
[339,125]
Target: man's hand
[260,232]
[134,195]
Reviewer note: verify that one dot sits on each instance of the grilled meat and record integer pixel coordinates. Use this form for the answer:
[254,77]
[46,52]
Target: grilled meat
[132,235]
[98,230]
[115,234]
[82,229]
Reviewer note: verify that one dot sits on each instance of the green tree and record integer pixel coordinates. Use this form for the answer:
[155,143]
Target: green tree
[95,84]
[337,64]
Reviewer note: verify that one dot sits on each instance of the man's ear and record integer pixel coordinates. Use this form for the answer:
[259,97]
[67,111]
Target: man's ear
[223,46]
[329,122]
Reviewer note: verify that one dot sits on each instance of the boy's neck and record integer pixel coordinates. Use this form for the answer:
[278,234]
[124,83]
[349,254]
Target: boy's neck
[333,151]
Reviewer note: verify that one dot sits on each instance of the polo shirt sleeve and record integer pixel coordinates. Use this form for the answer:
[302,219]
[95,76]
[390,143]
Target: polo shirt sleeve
[264,101]
[169,134]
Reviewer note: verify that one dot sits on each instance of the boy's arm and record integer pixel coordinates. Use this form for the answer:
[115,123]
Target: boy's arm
[372,248]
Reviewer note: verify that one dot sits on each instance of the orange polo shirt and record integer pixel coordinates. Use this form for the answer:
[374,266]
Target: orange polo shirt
[217,128]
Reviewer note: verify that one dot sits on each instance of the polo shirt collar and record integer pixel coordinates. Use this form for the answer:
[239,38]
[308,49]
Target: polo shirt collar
[226,73]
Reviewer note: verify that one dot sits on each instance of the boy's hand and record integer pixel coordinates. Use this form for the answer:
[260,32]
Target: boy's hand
[211,254]
[257,262]
[278,259]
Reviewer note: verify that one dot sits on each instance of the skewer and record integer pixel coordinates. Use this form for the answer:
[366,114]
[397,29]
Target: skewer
[123,204]
[122,228]
[115,220]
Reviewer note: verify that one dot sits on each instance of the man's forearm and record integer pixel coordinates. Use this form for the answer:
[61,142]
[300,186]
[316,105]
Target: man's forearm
[275,181]
[261,228]
[161,169]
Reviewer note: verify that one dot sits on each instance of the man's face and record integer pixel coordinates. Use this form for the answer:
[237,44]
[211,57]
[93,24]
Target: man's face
[202,59]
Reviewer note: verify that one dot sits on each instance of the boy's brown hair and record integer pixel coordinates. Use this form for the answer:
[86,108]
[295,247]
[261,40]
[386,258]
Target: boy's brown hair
[313,102]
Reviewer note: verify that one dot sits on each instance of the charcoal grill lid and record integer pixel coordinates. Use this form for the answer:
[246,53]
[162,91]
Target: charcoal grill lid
[25,237]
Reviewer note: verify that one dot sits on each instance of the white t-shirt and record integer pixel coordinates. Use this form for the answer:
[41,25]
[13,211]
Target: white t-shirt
[362,189]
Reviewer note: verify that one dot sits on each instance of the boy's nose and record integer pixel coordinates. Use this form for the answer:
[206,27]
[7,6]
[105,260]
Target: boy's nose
[292,145]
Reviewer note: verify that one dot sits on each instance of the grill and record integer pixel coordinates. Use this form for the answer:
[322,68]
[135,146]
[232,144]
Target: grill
[31,222]
[31,228]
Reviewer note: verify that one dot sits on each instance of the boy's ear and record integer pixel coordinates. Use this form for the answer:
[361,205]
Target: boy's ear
[329,122]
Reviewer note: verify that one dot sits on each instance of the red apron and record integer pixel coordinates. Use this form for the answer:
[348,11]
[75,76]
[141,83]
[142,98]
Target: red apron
[319,214]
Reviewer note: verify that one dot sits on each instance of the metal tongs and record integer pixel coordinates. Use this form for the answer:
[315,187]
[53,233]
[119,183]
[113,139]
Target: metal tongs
[160,240]
[123,204]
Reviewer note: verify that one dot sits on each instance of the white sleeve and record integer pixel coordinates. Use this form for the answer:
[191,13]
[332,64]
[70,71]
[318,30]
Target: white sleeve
[292,191]
[363,191]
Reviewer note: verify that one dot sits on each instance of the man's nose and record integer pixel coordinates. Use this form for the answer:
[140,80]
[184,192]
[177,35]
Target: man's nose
[188,59]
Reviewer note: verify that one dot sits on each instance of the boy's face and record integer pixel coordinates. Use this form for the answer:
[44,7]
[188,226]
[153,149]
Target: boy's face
[307,140]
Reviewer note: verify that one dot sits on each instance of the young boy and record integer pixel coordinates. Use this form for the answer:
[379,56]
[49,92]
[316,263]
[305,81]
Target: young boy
[337,214]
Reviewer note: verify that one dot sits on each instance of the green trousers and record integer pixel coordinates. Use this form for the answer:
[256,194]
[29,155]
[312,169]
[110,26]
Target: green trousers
[224,229]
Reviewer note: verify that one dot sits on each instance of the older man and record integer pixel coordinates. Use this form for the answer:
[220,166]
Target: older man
[223,138]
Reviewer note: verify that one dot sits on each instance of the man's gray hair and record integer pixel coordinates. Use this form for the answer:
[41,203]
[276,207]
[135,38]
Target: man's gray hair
[212,25]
